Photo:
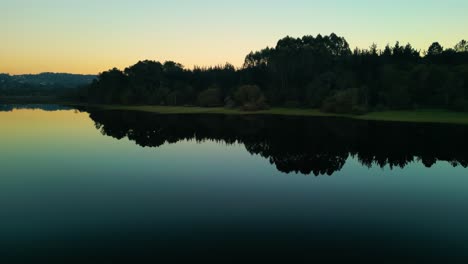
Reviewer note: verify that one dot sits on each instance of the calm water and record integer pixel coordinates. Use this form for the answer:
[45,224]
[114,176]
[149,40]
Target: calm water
[109,184]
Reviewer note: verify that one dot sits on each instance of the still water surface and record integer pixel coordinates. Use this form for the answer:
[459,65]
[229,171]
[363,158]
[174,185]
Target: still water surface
[99,184]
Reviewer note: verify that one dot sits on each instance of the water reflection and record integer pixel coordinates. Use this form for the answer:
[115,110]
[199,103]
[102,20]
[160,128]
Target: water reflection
[71,193]
[318,146]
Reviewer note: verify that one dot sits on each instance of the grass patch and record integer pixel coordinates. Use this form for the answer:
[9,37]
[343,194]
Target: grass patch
[214,110]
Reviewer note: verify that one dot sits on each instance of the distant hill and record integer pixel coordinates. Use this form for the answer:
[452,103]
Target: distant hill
[41,84]
[65,80]
[44,107]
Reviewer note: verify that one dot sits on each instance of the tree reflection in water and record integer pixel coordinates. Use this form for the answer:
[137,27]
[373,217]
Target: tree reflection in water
[319,146]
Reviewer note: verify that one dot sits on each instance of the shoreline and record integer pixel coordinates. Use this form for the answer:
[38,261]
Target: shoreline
[436,116]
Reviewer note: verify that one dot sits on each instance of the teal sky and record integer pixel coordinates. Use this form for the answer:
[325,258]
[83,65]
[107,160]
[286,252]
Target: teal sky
[89,36]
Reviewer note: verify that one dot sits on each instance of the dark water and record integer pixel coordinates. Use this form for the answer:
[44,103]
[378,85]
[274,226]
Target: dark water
[108,185]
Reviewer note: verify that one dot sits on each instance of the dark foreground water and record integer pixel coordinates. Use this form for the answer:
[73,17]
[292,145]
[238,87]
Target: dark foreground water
[107,185]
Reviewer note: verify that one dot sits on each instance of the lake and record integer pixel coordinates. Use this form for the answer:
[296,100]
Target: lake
[95,185]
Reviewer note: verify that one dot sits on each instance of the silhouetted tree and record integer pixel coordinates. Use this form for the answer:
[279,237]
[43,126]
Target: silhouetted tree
[435,49]
[461,46]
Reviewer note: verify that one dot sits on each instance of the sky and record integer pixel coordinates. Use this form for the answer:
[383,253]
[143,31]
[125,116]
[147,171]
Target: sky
[91,36]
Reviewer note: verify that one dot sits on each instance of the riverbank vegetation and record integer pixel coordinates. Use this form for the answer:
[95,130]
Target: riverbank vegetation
[319,72]
[413,116]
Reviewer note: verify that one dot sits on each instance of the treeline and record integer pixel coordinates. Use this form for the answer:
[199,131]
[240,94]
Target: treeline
[316,72]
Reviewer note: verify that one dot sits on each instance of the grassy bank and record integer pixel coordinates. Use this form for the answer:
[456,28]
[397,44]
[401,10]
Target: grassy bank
[215,110]
[419,116]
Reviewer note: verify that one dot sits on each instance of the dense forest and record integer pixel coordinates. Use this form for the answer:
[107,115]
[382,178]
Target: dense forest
[315,72]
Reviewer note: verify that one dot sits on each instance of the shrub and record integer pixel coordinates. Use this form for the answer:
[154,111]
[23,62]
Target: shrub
[250,98]
[344,102]
[210,98]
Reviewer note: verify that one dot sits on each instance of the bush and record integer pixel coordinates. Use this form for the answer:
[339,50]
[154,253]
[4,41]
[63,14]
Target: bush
[250,98]
[210,98]
[344,102]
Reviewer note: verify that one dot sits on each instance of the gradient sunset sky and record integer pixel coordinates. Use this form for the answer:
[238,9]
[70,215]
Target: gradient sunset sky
[90,36]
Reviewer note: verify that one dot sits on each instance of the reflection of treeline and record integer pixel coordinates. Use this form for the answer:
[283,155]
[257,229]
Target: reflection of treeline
[306,145]
[320,72]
